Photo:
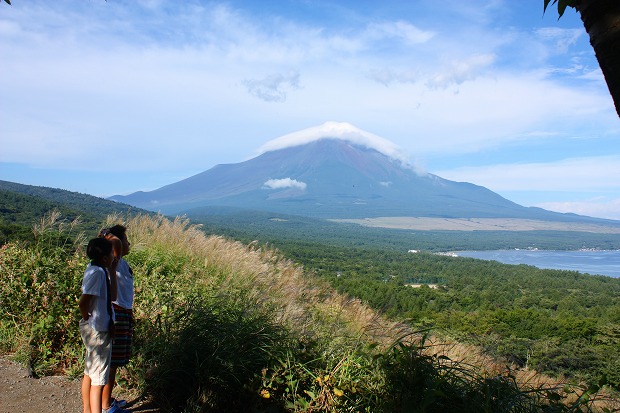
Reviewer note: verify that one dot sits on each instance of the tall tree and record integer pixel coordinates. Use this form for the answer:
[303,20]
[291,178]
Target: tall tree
[601,19]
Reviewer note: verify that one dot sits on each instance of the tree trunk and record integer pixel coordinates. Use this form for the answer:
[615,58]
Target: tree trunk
[601,19]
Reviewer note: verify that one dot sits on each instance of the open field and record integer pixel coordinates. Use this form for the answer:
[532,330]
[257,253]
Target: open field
[478,224]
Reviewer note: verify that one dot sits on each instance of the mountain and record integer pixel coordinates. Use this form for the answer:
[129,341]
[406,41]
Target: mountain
[47,199]
[334,177]
[22,206]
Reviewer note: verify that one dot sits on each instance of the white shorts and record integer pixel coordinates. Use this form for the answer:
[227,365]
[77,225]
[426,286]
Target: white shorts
[98,354]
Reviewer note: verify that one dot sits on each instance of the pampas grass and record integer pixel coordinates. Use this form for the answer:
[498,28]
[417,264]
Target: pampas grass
[227,327]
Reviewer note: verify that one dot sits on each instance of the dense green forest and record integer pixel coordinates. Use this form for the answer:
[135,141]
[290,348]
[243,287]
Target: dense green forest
[557,322]
[22,206]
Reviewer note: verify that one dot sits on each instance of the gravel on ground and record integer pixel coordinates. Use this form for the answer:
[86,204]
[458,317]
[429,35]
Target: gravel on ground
[22,394]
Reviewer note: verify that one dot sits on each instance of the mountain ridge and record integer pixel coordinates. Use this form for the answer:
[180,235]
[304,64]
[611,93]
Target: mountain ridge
[335,178]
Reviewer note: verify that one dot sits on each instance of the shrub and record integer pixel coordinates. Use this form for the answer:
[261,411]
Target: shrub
[39,291]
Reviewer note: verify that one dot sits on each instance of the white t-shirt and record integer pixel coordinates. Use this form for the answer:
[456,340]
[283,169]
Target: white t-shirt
[95,284]
[124,285]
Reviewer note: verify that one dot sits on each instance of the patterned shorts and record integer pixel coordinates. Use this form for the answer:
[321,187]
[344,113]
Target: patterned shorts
[123,336]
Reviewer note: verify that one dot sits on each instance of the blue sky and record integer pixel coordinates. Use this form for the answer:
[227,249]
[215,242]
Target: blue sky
[114,97]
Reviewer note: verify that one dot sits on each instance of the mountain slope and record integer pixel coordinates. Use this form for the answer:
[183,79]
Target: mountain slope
[22,206]
[333,178]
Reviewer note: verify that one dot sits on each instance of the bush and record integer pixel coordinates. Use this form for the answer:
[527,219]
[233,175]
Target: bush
[209,355]
[39,291]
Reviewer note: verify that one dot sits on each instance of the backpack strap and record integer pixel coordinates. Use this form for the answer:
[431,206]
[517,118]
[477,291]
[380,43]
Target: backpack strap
[108,288]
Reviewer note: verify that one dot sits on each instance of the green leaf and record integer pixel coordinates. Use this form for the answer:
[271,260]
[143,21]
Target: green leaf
[311,394]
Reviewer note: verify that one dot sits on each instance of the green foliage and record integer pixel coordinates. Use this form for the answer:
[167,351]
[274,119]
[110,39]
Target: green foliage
[513,311]
[82,203]
[210,354]
[418,382]
[22,206]
[39,290]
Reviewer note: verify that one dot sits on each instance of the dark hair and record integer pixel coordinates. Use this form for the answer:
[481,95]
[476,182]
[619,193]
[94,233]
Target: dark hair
[98,248]
[118,231]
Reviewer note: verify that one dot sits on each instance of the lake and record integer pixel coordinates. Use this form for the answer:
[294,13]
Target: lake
[591,262]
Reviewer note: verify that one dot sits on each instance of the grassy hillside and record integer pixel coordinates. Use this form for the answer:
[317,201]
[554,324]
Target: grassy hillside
[225,327]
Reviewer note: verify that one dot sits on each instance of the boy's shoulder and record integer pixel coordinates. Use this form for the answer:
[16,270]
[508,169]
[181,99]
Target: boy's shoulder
[92,269]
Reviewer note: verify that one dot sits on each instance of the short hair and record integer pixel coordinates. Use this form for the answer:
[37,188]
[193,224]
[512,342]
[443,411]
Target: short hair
[118,231]
[98,248]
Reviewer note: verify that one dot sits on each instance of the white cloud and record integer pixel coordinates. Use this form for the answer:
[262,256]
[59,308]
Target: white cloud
[273,88]
[386,76]
[284,183]
[597,207]
[562,38]
[401,30]
[164,87]
[569,175]
[338,130]
[458,72]
[568,179]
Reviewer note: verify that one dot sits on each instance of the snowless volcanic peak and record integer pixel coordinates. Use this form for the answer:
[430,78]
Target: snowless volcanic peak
[337,130]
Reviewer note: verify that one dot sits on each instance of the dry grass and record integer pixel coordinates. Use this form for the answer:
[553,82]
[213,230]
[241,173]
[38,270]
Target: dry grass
[303,302]
[265,275]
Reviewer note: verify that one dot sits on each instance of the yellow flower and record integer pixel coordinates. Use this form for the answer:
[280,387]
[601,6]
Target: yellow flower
[265,394]
[338,392]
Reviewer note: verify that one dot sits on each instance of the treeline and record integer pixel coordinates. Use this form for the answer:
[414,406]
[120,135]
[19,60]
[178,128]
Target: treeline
[76,201]
[23,206]
[281,229]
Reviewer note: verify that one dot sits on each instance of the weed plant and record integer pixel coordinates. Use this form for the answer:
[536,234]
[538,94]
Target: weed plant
[227,327]
[39,289]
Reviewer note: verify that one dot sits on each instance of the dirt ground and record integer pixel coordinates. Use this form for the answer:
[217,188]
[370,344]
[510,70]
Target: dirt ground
[22,394]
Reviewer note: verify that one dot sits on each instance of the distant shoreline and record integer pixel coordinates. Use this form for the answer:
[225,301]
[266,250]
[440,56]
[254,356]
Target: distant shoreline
[479,224]
[593,262]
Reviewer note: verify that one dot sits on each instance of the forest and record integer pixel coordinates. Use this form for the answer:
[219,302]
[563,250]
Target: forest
[562,323]
[248,225]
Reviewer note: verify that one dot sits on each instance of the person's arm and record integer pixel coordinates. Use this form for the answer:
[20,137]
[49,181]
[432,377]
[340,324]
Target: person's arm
[113,283]
[84,305]
[117,247]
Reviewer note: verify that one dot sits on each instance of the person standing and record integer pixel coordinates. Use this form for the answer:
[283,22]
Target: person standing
[123,311]
[97,323]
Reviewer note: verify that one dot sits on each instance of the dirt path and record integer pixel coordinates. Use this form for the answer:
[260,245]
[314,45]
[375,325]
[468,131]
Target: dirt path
[22,394]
